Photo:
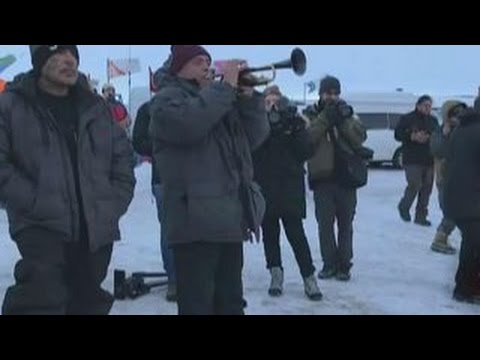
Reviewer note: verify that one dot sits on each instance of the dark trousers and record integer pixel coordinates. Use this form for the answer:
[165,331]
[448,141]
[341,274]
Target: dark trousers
[332,202]
[167,253]
[209,278]
[468,274]
[55,277]
[296,237]
[419,183]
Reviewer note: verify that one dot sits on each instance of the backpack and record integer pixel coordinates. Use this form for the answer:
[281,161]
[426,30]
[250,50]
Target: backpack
[119,112]
[351,169]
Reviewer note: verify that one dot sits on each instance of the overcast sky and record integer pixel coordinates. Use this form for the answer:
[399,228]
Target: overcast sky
[435,69]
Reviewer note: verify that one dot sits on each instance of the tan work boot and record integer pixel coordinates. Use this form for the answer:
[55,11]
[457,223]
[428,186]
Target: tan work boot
[441,245]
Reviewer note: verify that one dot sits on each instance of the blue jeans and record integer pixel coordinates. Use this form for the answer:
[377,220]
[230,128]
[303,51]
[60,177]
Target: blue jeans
[167,253]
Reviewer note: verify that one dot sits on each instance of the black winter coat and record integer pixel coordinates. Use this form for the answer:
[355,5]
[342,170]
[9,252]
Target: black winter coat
[280,171]
[462,181]
[37,179]
[415,153]
[142,142]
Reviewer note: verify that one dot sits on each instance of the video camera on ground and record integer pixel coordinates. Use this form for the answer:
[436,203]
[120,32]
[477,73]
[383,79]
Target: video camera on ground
[136,286]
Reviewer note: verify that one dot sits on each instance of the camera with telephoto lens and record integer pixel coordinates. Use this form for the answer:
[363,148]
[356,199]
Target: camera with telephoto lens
[311,111]
[284,117]
[344,110]
[136,286]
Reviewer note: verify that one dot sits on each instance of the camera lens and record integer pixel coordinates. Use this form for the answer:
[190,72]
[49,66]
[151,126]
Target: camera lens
[345,110]
[274,117]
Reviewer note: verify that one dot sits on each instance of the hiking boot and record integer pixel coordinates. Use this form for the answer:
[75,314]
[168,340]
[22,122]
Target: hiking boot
[343,276]
[404,214]
[327,273]
[465,297]
[311,288]
[423,222]
[276,285]
[441,244]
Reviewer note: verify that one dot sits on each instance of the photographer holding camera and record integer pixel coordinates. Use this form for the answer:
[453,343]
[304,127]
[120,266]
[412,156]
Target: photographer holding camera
[335,130]
[280,170]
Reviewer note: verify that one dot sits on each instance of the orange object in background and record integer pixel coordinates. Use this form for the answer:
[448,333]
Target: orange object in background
[3,85]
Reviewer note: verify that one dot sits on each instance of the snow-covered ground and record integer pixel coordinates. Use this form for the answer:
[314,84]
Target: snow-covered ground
[395,272]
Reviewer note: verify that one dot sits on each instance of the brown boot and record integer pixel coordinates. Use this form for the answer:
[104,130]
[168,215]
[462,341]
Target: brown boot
[441,245]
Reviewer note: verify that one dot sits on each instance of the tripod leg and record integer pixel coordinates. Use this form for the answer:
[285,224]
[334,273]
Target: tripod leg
[119,284]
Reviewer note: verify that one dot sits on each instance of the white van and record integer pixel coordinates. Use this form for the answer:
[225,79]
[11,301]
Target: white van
[381,112]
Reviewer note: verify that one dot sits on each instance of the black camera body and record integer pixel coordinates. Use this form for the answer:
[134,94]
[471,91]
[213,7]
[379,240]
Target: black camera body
[284,118]
[311,111]
[344,110]
[340,110]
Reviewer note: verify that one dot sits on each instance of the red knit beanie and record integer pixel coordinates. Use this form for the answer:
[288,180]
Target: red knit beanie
[182,54]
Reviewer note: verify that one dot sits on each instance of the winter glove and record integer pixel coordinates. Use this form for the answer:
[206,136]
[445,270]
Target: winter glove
[298,124]
[345,111]
[333,116]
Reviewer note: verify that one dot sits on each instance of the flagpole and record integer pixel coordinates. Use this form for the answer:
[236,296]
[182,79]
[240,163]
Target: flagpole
[150,81]
[108,71]
[129,79]
[305,94]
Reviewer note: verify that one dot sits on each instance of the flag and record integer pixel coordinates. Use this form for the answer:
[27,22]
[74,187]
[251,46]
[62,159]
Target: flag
[3,85]
[113,70]
[6,61]
[311,86]
[122,67]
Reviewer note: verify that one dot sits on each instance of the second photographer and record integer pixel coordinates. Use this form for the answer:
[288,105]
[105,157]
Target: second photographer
[280,170]
[336,171]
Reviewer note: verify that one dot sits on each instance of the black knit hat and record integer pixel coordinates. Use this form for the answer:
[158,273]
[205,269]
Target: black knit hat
[329,84]
[423,99]
[41,53]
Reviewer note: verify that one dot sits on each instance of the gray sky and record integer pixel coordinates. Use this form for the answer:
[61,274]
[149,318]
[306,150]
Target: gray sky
[435,69]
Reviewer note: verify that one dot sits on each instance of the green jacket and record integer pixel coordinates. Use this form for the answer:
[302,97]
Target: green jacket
[350,135]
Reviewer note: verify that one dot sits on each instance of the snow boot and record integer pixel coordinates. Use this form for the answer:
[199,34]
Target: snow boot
[311,288]
[441,244]
[276,285]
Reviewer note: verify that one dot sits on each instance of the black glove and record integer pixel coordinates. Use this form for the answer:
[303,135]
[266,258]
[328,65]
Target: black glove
[333,116]
[338,113]
[311,111]
[345,111]
[298,124]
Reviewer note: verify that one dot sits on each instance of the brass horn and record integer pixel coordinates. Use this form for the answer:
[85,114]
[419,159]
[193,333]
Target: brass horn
[297,62]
